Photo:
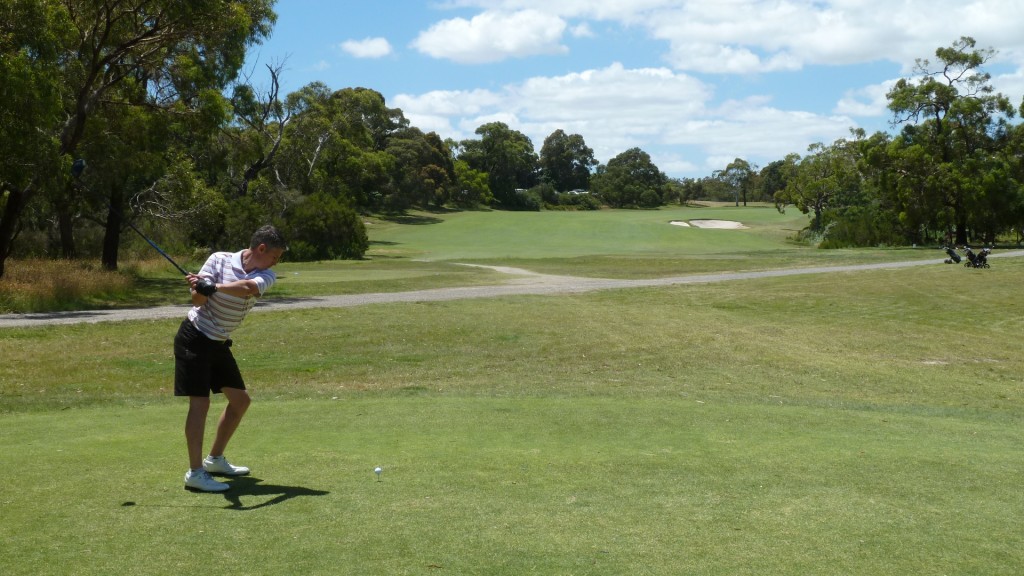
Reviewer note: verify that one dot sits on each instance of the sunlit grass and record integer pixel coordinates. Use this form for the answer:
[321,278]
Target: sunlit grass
[859,423]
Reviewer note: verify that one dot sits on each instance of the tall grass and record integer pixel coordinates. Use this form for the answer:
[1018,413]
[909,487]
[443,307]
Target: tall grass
[32,285]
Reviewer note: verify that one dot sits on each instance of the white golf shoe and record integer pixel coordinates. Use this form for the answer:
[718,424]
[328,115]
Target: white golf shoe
[220,465]
[200,481]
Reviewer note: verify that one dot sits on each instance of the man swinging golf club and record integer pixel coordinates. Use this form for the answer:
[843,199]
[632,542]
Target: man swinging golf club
[223,292]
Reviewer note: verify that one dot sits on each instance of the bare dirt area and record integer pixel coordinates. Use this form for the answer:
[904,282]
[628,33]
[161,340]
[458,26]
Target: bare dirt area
[520,282]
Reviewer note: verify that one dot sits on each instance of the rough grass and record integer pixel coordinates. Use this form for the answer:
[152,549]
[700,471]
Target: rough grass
[59,285]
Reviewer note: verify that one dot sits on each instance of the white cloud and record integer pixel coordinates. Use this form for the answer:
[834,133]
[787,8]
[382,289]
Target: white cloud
[757,36]
[582,31]
[866,102]
[1010,85]
[367,48]
[674,116]
[617,108]
[493,36]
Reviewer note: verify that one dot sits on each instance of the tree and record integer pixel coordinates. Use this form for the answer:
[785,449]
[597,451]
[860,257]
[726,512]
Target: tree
[630,180]
[826,178]
[338,143]
[951,115]
[127,147]
[472,189]
[772,179]
[182,52]
[739,175]
[423,170]
[367,110]
[508,158]
[261,119]
[566,161]
[32,37]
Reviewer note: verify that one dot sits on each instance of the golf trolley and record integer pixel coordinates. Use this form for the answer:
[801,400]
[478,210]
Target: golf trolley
[979,260]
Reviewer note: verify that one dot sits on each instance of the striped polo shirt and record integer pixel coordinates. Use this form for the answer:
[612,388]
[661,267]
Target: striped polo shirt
[222,313]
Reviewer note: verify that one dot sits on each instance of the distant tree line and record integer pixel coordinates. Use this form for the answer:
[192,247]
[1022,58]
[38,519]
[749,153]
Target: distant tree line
[181,142]
[952,174]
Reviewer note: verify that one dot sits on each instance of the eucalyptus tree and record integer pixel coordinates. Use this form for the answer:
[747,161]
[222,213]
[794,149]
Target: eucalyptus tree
[260,118]
[630,180]
[424,171]
[826,178]
[508,158]
[32,36]
[181,53]
[771,179]
[953,120]
[566,161]
[740,176]
[336,143]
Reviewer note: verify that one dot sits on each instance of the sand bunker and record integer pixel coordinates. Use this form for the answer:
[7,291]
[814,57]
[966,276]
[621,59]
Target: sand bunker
[720,224]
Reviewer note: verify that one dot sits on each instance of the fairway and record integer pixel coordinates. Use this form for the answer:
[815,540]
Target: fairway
[553,234]
[863,422]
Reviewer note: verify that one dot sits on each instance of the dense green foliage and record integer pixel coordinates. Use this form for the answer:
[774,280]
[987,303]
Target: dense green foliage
[181,146]
[953,174]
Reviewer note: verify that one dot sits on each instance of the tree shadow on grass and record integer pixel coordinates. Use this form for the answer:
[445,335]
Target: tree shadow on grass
[249,486]
[418,219]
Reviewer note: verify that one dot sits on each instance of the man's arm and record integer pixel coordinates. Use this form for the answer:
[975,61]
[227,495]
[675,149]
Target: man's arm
[238,288]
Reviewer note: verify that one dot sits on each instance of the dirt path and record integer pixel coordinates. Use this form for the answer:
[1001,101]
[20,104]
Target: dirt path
[521,282]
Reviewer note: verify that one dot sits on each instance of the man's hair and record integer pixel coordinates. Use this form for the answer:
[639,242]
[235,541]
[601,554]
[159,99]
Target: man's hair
[270,236]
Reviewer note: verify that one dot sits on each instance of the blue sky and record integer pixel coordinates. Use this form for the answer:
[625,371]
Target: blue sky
[694,83]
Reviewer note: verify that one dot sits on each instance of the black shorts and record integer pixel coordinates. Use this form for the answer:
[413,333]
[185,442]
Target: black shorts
[202,365]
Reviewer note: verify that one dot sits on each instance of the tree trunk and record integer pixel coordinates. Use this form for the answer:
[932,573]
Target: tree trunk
[112,231]
[961,234]
[66,227]
[16,200]
[960,215]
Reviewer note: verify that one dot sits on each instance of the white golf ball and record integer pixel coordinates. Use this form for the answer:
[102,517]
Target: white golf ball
[378,470]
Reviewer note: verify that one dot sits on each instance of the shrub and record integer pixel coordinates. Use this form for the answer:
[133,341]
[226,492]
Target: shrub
[579,201]
[322,227]
[858,227]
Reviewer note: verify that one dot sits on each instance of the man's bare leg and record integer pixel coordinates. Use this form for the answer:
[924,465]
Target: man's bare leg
[195,427]
[238,404]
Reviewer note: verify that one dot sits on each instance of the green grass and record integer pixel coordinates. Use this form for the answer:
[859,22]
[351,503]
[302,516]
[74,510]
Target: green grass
[853,423]
[425,251]
[521,486]
[542,235]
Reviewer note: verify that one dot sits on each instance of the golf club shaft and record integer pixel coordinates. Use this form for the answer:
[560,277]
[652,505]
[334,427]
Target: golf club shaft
[153,244]
[76,171]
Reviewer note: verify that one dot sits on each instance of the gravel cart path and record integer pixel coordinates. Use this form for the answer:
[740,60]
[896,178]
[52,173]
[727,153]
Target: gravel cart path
[521,282]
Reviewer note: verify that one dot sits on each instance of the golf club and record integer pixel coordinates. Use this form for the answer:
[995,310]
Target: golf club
[205,285]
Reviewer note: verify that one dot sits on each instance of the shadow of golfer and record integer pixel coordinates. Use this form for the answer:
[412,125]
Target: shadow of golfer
[249,486]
